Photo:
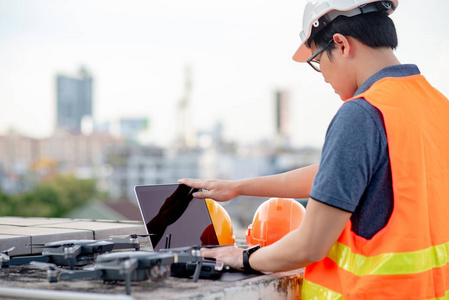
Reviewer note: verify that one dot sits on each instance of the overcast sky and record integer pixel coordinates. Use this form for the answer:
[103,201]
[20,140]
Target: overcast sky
[239,52]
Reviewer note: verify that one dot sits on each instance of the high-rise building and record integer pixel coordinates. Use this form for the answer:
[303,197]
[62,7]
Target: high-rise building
[74,100]
[282,118]
[185,132]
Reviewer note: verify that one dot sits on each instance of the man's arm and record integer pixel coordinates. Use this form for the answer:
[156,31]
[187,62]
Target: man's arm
[311,242]
[292,184]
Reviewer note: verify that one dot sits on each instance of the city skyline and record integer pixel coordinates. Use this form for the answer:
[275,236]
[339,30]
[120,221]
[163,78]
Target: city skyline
[239,53]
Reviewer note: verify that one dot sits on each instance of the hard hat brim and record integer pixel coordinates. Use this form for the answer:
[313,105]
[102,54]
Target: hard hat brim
[302,54]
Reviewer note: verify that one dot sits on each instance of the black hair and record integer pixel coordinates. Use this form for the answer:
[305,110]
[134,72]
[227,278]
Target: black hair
[374,29]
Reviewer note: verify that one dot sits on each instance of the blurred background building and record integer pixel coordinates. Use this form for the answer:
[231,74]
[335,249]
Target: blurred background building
[74,101]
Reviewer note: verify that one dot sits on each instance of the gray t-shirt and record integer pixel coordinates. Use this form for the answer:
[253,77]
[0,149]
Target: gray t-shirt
[354,173]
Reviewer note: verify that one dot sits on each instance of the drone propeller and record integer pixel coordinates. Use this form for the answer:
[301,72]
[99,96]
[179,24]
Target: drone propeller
[9,250]
[48,266]
[42,265]
[4,255]
[71,244]
[187,248]
[132,236]
[180,249]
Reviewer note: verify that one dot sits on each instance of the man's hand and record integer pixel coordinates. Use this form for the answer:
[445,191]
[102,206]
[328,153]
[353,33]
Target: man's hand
[218,190]
[231,256]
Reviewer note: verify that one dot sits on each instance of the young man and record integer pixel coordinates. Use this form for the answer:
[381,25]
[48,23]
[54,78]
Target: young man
[377,218]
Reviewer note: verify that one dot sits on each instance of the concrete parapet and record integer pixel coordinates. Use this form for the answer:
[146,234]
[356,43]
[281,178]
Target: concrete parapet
[20,231]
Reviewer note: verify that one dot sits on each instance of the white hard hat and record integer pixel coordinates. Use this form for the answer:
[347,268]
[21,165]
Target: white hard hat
[320,13]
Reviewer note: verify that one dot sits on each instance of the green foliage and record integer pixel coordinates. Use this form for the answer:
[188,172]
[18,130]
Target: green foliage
[5,204]
[51,198]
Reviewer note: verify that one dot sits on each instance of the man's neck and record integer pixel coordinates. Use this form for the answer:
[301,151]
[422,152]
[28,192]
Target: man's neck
[373,61]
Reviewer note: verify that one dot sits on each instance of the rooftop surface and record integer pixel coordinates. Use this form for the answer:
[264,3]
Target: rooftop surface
[30,282]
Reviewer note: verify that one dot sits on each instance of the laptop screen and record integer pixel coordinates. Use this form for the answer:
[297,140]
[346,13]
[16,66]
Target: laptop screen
[173,217]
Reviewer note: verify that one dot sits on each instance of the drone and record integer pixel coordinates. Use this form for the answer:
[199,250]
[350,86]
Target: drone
[124,266]
[130,266]
[70,253]
[190,263]
[133,241]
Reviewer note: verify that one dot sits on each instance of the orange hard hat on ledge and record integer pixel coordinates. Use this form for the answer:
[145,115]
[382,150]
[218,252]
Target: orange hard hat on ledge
[221,223]
[273,219]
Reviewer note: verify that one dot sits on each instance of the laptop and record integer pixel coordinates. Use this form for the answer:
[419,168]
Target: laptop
[173,217]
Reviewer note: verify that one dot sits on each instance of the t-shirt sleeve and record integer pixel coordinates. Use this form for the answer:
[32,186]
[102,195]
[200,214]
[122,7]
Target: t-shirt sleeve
[350,154]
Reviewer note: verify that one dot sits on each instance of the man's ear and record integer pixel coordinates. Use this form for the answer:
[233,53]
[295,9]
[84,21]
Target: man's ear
[342,44]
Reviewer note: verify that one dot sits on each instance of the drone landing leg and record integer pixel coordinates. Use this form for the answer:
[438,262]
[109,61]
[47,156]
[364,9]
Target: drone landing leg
[128,283]
[196,274]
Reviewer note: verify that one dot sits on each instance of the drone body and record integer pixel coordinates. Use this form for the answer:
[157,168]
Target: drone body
[144,265]
[119,266]
[70,252]
[130,266]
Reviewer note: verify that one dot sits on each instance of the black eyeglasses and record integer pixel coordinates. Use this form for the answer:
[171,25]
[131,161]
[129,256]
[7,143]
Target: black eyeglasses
[315,64]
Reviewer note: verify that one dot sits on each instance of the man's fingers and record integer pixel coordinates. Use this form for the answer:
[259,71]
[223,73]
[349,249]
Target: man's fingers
[211,188]
[202,194]
[198,184]
[213,252]
[207,252]
[195,183]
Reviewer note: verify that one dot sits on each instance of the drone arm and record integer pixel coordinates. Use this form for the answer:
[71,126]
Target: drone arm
[80,274]
[15,261]
[125,245]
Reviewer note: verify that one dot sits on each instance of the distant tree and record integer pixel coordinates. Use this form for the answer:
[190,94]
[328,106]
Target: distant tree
[51,198]
[5,204]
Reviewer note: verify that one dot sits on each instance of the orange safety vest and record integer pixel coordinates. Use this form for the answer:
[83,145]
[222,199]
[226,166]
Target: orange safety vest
[408,258]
